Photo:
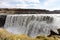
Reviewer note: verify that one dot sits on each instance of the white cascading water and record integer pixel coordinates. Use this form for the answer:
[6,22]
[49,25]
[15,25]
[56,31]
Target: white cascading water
[31,25]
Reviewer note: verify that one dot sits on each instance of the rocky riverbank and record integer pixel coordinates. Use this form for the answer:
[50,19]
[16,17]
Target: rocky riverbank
[4,35]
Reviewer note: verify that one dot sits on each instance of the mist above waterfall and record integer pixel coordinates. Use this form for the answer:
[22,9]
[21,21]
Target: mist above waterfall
[30,25]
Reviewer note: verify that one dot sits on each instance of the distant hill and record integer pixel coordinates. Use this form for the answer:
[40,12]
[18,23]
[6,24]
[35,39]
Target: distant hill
[28,11]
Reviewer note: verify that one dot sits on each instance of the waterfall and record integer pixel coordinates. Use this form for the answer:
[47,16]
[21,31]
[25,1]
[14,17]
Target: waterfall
[31,25]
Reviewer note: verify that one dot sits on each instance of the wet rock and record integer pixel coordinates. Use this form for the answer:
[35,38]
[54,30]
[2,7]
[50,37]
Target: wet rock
[59,31]
[2,20]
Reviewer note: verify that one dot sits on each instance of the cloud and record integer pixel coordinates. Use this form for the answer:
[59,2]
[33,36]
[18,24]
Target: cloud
[18,3]
[49,2]
[36,4]
[52,4]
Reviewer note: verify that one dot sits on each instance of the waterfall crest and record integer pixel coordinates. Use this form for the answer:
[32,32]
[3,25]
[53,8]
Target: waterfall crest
[30,25]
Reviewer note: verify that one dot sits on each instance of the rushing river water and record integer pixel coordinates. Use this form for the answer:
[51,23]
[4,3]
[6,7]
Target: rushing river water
[30,25]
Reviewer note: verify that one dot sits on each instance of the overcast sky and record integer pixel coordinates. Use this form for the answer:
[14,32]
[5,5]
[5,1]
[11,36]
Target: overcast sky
[36,4]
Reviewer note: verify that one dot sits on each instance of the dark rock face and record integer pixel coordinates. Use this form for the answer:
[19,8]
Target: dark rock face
[2,20]
[59,31]
[53,33]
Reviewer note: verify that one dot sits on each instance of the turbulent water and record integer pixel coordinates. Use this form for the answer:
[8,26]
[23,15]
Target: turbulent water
[30,25]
